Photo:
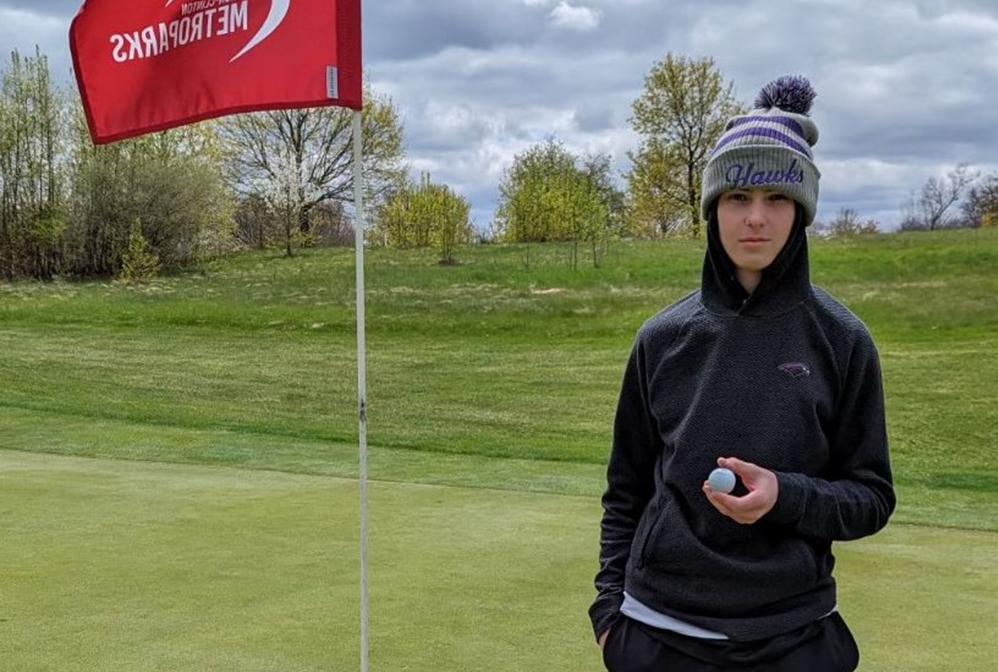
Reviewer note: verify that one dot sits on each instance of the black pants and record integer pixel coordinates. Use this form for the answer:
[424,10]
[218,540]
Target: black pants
[823,646]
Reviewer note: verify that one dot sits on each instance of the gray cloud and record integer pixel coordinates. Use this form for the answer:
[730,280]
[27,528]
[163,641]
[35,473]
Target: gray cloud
[594,117]
[57,8]
[399,30]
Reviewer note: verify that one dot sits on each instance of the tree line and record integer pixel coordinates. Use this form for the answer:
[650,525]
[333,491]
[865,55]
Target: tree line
[273,179]
[284,179]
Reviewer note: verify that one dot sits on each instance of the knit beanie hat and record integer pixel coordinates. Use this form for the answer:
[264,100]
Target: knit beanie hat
[768,148]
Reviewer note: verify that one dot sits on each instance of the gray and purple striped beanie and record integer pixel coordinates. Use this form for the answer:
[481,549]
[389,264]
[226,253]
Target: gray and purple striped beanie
[768,148]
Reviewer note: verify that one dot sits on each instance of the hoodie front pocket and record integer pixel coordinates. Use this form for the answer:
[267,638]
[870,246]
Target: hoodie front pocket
[653,530]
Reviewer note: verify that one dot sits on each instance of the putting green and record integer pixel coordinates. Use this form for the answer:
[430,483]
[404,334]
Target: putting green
[112,565]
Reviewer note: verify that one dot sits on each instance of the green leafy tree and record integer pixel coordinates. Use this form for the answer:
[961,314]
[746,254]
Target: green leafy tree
[655,198]
[598,171]
[548,194]
[426,214]
[532,195]
[680,115]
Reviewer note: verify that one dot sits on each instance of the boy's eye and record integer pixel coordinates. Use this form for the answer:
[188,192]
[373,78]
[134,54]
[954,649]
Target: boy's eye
[777,197]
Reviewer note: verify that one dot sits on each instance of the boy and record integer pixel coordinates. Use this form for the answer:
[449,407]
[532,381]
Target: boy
[762,373]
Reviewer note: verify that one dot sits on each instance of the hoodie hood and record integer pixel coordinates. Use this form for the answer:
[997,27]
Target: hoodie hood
[784,283]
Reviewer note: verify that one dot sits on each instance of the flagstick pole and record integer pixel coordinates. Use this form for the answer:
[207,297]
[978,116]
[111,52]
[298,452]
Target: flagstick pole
[358,191]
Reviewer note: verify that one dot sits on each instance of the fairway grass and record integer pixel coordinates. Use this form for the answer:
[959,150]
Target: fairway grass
[111,565]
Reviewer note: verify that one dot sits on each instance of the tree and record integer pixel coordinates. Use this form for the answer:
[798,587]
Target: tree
[171,181]
[181,195]
[100,206]
[599,174]
[531,194]
[31,173]
[846,223]
[980,209]
[910,219]
[426,214]
[652,194]
[317,144]
[67,206]
[253,221]
[680,115]
[550,195]
[287,193]
[937,196]
[331,226]
[139,262]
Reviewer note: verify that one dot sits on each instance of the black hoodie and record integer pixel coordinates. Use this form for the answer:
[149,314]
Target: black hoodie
[786,378]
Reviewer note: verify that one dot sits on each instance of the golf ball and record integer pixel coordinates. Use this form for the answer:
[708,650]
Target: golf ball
[721,480]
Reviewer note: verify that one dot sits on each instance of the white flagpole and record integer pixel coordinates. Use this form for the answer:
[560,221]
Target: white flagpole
[358,195]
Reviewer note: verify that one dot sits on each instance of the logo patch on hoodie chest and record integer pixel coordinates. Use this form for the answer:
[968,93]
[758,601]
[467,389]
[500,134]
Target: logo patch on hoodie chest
[795,369]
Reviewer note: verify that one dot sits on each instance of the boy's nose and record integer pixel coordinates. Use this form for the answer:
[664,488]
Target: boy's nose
[756,214]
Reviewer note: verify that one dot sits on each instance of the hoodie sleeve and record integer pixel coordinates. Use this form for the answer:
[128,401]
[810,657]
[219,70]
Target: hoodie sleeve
[630,484]
[856,496]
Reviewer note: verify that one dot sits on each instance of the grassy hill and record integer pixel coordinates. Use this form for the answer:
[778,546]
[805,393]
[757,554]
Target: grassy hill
[185,547]
[500,372]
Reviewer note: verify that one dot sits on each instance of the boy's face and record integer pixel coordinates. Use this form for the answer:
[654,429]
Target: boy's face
[754,225]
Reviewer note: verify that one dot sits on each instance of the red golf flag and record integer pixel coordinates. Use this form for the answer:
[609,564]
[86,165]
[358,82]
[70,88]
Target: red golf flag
[150,65]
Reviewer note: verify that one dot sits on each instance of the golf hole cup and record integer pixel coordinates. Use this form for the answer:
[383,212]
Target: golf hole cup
[721,480]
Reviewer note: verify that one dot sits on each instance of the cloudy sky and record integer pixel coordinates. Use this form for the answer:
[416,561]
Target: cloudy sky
[907,89]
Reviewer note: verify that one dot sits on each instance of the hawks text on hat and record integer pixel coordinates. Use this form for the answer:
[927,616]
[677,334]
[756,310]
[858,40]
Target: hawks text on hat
[770,147]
